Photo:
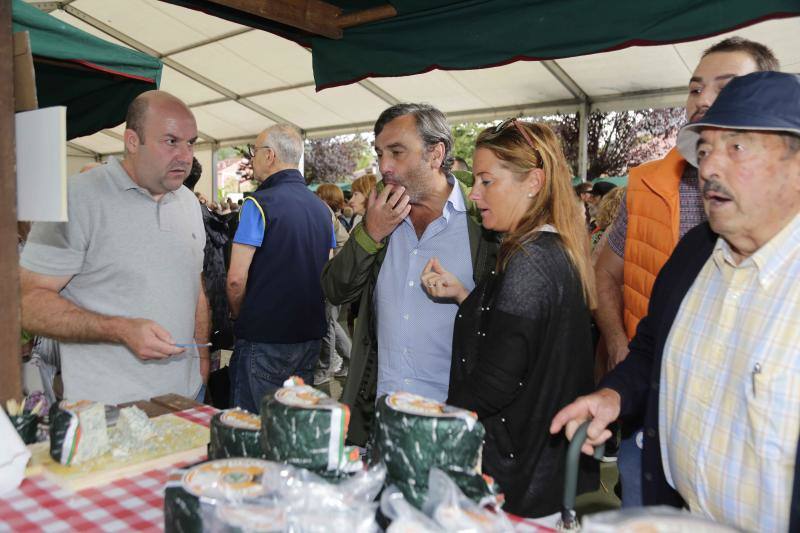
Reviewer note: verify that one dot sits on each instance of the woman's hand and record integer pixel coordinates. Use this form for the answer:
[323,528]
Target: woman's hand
[439,283]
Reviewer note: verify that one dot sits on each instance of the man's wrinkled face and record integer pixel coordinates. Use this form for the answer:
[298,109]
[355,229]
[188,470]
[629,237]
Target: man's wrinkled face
[403,158]
[750,183]
[711,76]
[164,160]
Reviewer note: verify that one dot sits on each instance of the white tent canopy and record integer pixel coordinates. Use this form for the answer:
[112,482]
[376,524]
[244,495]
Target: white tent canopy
[238,80]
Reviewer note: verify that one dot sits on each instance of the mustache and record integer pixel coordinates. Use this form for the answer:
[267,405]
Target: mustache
[712,185]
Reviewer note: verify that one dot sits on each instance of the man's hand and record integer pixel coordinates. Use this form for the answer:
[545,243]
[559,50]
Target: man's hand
[146,339]
[439,283]
[385,211]
[602,407]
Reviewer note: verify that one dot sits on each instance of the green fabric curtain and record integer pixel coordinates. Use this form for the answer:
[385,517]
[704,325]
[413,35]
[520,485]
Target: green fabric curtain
[469,34]
[94,79]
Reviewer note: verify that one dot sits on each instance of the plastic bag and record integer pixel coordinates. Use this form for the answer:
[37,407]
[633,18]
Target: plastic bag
[660,518]
[405,518]
[295,500]
[453,511]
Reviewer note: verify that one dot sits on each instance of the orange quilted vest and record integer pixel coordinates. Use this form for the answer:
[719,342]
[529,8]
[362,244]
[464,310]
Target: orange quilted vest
[653,202]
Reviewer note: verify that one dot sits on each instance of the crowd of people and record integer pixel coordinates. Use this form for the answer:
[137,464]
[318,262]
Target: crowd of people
[476,287]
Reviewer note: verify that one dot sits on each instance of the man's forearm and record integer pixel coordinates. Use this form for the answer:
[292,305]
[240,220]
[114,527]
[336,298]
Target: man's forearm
[47,313]
[235,290]
[609,315]
[202,318]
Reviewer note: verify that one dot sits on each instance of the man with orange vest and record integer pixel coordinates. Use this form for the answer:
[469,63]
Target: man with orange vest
[663,202]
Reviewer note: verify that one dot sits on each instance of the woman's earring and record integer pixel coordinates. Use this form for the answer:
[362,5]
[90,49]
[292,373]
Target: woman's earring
[530,195]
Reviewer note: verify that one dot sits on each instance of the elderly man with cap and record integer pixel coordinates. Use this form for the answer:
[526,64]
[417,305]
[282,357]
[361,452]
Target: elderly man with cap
[714,366]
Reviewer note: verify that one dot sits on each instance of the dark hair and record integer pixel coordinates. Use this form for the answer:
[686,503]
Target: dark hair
[194,174]
[431,125]
[764,58]
[134,119]
[462,161]
[582,188]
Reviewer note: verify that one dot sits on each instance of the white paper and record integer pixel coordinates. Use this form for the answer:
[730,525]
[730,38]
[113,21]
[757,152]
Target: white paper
[41,137]
[13,456]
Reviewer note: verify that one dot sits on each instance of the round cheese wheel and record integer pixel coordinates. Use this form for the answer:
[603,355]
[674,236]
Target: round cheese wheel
[235,433]
[414,434]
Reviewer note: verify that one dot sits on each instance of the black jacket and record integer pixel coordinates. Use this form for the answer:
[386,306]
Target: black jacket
[637,378]
[522,348]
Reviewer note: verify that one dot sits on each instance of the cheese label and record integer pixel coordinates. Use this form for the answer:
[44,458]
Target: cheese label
[304,396]
[412,404]
[232,479]
[75,407]
[240,419]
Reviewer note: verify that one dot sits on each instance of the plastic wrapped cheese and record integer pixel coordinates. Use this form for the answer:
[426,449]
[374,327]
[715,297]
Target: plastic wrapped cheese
[235,433]
[211,484]
[181,509]
[304,427]
[78,432]
[415,434]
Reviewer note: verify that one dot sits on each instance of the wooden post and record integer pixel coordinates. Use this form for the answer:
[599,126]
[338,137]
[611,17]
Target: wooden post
[10,364]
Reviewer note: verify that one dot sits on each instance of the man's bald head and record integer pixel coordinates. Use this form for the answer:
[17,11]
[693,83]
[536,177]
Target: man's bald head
[138,108]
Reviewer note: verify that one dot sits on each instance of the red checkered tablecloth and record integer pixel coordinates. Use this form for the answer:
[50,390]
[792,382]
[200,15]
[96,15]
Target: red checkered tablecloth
[199,415]
[135,503]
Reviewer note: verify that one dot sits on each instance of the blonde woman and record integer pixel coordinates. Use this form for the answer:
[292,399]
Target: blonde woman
[522,344]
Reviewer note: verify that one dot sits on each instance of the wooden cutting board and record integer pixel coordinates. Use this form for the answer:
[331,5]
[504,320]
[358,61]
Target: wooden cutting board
[178,440]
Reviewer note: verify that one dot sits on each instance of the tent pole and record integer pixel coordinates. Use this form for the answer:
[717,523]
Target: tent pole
[10,361]
[583,134]
[214,161]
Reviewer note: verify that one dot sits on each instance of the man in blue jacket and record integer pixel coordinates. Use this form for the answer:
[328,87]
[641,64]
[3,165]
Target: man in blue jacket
[283,240]
[714,367]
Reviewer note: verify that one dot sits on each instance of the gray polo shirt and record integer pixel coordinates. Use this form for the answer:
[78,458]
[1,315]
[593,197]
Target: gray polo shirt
[129,256]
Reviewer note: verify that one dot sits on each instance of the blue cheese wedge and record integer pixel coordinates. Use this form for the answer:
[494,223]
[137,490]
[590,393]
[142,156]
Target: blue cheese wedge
[78,432]
[133,428]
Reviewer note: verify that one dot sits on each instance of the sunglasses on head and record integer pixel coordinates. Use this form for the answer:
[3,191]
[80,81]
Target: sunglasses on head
[497,130]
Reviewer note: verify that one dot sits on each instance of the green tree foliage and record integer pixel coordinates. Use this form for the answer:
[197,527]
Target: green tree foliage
[464,136]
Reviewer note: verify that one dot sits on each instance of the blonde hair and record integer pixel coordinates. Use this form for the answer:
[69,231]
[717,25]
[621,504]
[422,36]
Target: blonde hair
[538,147]
[608,207]
[364,184]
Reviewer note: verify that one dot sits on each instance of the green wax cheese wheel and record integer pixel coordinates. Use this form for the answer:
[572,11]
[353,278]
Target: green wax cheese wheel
[235,433]
[414,434]
[304,427]
[478,488]
[181,509]
[77,431]
[218,482]
[26,425]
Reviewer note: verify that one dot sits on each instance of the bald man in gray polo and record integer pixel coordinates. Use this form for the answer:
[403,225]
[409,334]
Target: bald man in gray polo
[119,284]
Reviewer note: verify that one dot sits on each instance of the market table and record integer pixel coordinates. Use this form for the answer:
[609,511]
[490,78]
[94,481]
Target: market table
[134,503]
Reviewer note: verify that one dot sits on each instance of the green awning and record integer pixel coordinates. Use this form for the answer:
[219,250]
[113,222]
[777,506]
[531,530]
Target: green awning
[93,78]
[468,34]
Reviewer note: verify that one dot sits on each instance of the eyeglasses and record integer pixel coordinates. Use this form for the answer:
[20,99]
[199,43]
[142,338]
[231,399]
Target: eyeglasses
[497,130]
[251,150]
